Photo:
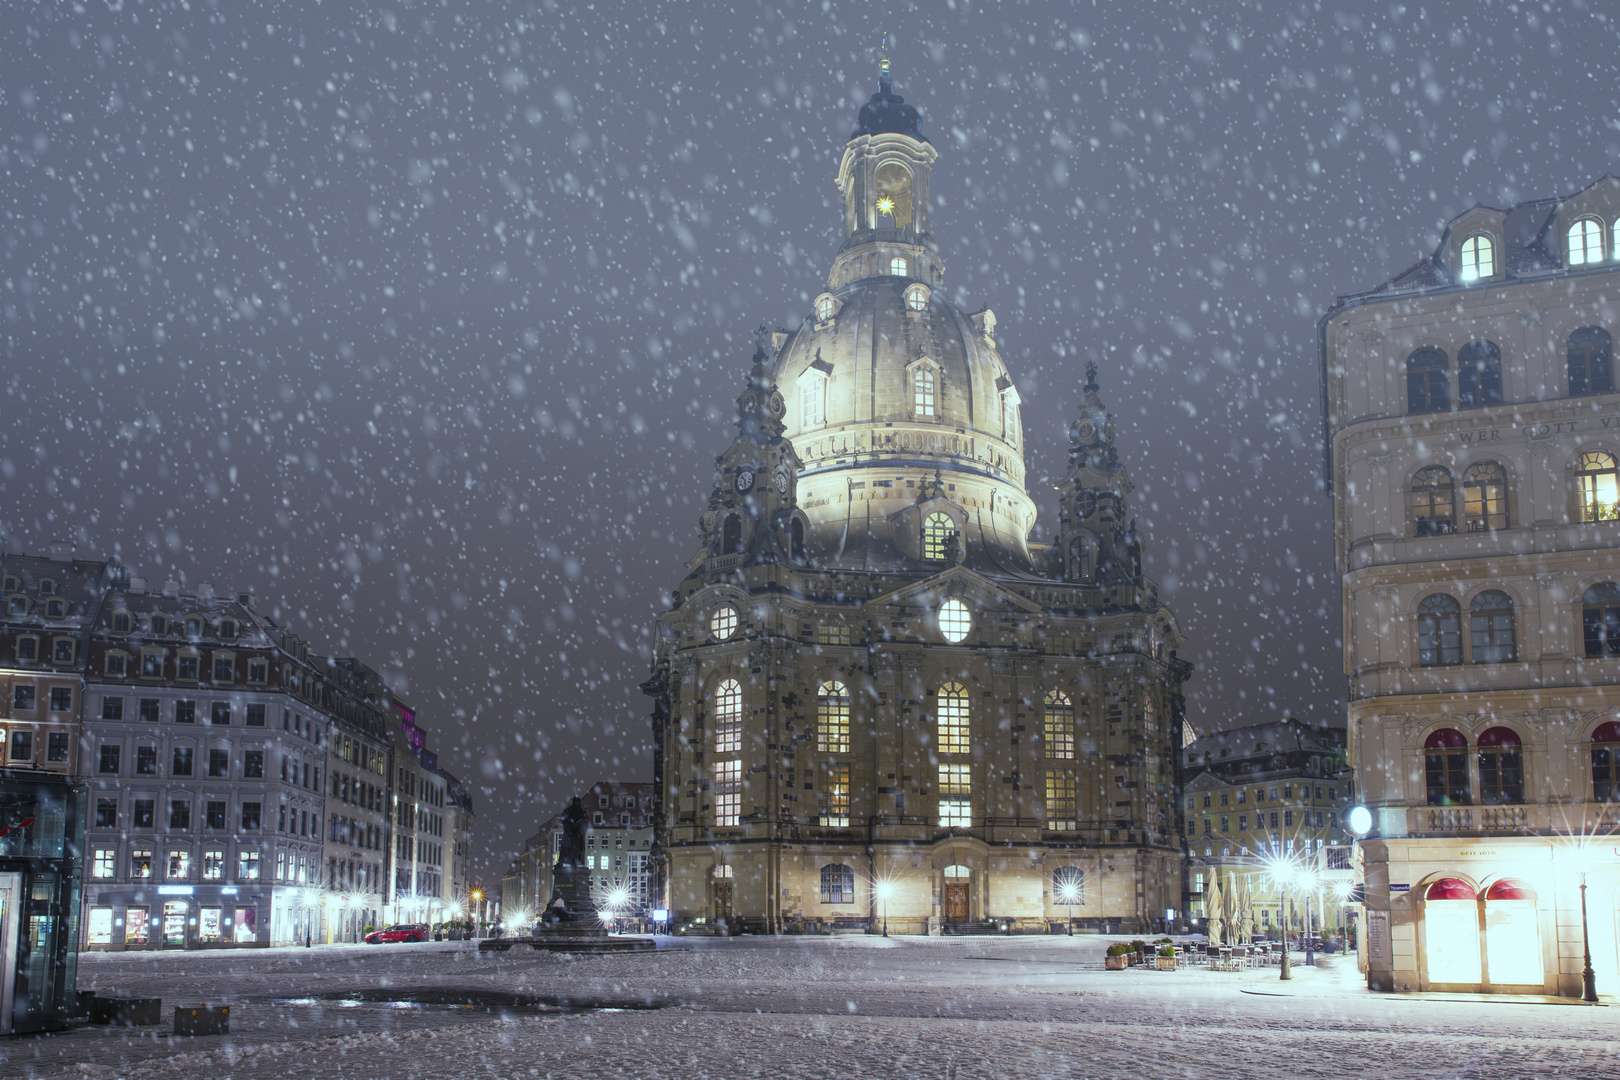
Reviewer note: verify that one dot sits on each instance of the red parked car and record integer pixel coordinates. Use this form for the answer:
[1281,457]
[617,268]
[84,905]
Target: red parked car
[399,932]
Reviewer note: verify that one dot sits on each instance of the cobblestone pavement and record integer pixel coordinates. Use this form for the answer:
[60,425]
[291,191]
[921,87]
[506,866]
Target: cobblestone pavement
[840,1007]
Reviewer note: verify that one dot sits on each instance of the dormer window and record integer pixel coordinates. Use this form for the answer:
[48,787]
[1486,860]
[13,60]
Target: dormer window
[55,609]
[47,587]
[1478,258]
[1585,240]
[10,584]
[938,537]
[826,307]
[193,627]
[121,622]
[160,623]
[17,605]
[917,298]
[897,267]
[227,628]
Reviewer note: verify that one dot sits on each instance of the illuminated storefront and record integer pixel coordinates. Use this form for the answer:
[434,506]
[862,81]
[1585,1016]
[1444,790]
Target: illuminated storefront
[41,834]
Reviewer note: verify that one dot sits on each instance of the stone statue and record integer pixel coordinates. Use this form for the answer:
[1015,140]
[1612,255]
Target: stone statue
[571,882]
[571,849]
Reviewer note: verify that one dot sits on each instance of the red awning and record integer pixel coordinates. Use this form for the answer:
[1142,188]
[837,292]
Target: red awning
[1450,889]
[1510,889]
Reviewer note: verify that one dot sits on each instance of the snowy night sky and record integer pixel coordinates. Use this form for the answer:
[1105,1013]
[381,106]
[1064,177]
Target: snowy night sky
[423,321]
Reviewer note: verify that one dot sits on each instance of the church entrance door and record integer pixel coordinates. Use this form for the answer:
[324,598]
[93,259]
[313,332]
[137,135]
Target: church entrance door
[956,901]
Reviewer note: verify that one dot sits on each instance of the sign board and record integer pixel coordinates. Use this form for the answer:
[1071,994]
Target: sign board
[1394,888]
[175,890]
[1378,950]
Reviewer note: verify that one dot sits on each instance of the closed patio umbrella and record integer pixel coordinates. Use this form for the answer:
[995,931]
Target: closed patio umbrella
[1215,910]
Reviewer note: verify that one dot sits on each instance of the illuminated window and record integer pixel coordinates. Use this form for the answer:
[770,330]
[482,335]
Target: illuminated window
[1478,258]
[1501,767]
[179,864]
[955,621]
[1060,800]
[1439,631]
[832,634]
[1606,762]
[1599,482]
[140,863]
[213,865]
[832,718]
[954,719]
[922,386]
[955,796]
[1600,619]
[837,885]
[1590,357]
[1433,503]
[1427,382]
[917,298]
[1009,416]
[728,717]
[723,622]
[939,537]
[105,863]
[825,307]
[1059,726]
[1585,239]
[727,792]
[1479,375]
[1485,497]
[834,797]
[897,267]
[812,398]
[1445,768]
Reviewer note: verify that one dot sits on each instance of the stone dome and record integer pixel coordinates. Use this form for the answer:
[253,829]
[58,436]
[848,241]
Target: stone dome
[895,397]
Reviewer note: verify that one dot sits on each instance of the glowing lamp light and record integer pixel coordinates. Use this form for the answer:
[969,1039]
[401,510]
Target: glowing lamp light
[1358,821]
[618,898]
[885,206]
[1069,893]
[883,890]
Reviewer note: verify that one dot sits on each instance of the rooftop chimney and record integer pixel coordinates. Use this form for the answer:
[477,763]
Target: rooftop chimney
[137,585]
[171,588]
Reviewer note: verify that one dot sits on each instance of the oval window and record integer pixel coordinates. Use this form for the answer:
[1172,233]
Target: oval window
[955,620]
[723,623]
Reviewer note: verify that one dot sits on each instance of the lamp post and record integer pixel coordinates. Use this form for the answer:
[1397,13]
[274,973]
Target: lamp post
[1307,887]
[1069,894]
[1588,976]
[1281,874]
[883,889]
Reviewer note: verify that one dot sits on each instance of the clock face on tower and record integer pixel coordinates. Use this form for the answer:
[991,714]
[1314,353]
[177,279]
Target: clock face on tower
[745,479]
[782,481]
[1086,431]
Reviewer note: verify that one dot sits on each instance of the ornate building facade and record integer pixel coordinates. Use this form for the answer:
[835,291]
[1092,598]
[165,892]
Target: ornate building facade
[875,698]
[1473,435]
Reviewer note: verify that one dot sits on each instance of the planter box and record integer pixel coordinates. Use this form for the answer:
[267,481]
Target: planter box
[1167,963]
[458,935]
[1117,963]
[202,1020]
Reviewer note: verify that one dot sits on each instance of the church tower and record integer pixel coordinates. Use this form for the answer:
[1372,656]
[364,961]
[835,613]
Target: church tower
[874,697]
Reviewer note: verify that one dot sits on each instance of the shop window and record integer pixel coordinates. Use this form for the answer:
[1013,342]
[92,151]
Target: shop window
[1445,768]
[1501,767]
[1512,935]
[1451,932]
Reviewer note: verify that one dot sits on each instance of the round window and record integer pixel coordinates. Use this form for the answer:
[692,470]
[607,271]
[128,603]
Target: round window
[955,620]
[723,623]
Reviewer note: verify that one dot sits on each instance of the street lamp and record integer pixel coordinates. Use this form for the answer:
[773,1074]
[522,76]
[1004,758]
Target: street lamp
[883,889]
[1069,893]
[1282,871]
[1307,885]
[1588,976]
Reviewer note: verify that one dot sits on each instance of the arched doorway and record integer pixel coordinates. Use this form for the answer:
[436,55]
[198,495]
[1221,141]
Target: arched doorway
[1513,935]
[1451,933]
[723,885]
[956,906]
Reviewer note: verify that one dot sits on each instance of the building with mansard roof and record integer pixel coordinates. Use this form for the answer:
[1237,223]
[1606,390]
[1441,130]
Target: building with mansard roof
[1472,432]
[875,697]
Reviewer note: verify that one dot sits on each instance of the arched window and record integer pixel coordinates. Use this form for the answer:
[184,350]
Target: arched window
[1512,934]
[1590,353]
[1433,503]
[1080,559]
[1427,384]
[825,306]
[957,872]
[1599,482]
[837,885]
[731,536]
[160,623]
[1600,619]
[796,535]
[832,718]
[1451,932]
[1009,416]
[1501,767]
[728,717]
[1439,631]
[193,627]
[1585,239]
[922,392]
[1478,258]
[1606,762]
[939,537]
[897,267]
[1479,375]
[954,718]
[1490,628]
[1485,497]
[1059,725]
[812,398]
[1445,768]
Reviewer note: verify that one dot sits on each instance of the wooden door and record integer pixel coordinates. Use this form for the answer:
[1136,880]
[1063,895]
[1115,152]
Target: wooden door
[956,901]
[722,900]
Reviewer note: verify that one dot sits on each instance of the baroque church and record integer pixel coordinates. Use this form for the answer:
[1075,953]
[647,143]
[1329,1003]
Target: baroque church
[875,699]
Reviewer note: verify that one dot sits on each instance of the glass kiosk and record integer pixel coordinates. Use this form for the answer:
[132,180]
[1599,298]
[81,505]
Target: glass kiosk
[41,871]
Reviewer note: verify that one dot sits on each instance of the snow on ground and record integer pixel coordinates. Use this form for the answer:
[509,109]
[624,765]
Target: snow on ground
[798,1007]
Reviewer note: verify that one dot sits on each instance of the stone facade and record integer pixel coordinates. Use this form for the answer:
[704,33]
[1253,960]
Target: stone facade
[874,697]
[1472,431]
